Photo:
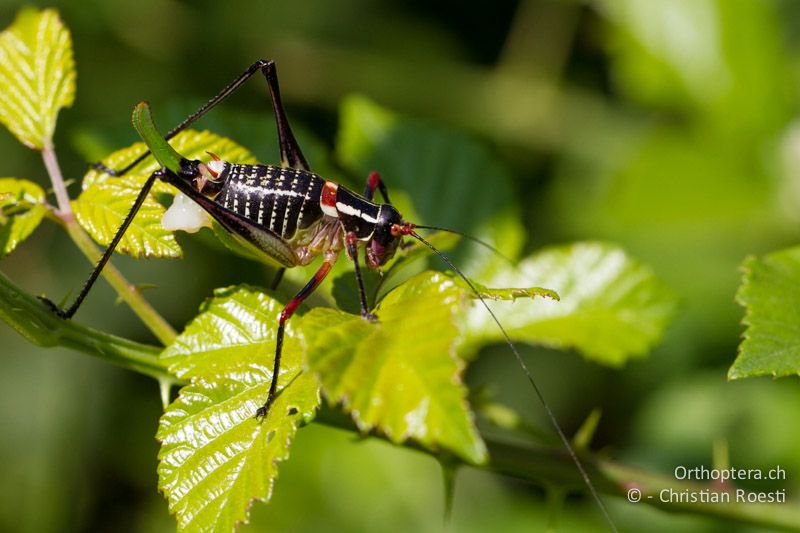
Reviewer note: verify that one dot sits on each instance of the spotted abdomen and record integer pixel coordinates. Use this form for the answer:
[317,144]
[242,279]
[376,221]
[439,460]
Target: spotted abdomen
[281,199]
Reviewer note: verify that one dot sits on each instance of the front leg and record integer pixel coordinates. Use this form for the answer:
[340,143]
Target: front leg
[352,250]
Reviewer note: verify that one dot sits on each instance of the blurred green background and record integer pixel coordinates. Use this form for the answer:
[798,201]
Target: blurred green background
[667,127]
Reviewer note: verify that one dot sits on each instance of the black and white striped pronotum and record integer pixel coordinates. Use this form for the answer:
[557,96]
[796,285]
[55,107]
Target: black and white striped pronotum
[287,215]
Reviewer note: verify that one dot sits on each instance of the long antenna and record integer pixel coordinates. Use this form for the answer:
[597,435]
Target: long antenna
[469,237]
[525,369]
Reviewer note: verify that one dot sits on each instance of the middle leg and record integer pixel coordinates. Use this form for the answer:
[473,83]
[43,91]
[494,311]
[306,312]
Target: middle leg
[286,314]
[352,250]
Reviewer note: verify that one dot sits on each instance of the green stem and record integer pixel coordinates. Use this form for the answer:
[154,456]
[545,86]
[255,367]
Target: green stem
[543,465]
[126,291]
[34,321]
[552,466]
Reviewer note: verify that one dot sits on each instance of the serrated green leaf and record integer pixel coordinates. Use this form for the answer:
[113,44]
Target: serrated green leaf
[344,288]
[611,307]
[216,458]
[237,322]
[400,374]
[37,73]
[21,210]
[769,293]
[101,208]
[106,200]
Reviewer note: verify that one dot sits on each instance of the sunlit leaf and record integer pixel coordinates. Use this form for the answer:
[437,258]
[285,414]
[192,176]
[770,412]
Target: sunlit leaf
[37,74]
[21,210]
[611,307]
[106,200]
[101,208]
[769,293]
[237,322]
[399,375]
[395,271]
[215,457]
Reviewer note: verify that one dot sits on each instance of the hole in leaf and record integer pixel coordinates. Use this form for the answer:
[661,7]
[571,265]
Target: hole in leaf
[292,411]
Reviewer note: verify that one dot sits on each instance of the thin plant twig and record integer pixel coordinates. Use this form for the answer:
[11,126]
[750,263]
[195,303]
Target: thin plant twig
[126,291]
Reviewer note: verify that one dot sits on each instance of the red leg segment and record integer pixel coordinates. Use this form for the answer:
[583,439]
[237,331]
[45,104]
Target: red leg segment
[285,315]
[374,181]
